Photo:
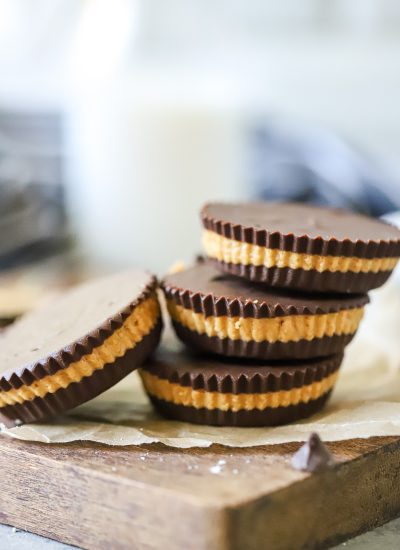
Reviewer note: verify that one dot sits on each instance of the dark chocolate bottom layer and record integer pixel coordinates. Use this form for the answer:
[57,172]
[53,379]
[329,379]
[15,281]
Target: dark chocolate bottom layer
[244,418]
[308,281]
[77,393]
[303,349]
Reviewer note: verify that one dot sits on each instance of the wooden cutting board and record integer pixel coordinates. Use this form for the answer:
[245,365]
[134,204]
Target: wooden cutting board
[155,497]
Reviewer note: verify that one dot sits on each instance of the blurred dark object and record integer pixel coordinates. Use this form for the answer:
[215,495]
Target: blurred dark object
[292,163]
[32,214]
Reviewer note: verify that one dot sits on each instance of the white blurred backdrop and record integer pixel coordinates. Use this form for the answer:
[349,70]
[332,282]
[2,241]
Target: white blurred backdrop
[157,101]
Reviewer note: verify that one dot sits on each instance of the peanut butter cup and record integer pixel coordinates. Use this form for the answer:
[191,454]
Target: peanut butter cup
[226,315]
[185,386]
[300,246]
[72,349]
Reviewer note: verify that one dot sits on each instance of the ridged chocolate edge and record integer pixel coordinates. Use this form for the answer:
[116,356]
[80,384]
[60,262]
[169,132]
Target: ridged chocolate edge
[244,378]
[244,418]
[27,374]
[302,244]
[309,281]
[77,393]
[219,306]
[302,349]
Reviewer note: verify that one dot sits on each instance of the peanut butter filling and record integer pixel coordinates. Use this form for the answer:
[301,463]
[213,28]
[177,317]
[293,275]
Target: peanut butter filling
[237,252]
[289,328]
[135,327]
[201,399]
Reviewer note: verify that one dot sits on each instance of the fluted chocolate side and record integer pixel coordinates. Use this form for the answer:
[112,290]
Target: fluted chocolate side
[241,377]
[304,244]
[297,246]
[201,290]
[300,279]
[53,404]
[250,418]
[301,349]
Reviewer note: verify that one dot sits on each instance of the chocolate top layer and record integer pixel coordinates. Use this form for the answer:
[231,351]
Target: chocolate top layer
[73,324]
[205,290]
[303,228]
[173,362]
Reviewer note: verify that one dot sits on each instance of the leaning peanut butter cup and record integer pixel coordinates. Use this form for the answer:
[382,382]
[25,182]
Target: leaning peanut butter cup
[72,349]
[226,315]
[300,246]
[193,388]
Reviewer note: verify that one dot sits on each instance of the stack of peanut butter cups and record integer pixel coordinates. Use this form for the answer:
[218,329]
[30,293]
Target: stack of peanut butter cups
[267,313]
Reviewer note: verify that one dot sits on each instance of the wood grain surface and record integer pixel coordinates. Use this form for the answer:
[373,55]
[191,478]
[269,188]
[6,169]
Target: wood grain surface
[154,497]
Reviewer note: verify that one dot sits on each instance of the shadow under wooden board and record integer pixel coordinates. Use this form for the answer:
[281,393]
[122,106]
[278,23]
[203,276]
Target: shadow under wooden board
[154,497]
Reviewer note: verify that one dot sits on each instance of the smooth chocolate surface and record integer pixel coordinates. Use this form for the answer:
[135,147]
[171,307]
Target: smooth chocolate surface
[303,228]
[206,290]
[178,365]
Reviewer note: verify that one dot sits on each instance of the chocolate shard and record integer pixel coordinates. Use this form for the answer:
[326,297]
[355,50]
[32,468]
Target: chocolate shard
[313,456]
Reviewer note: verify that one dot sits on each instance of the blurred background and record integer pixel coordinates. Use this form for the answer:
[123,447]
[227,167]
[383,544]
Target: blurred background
[120,118]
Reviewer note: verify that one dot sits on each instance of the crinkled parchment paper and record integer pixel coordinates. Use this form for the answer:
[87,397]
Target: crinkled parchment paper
[365,403]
